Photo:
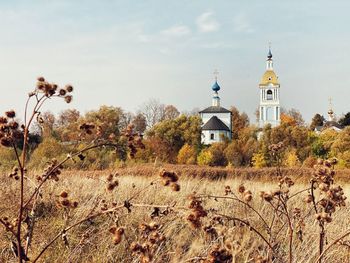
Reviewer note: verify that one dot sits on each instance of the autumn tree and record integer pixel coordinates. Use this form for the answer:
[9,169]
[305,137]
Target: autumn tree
[68,117]
[239,152]
[175,133]
[317,120]
[187,155]
[106,119]
[292,117]
[341,142]
[44,125]
[170,112]
[153,111]
[292,136]
[259,160]
[239,121]
[345,120]
[125,119]
[67,125]
[140,123]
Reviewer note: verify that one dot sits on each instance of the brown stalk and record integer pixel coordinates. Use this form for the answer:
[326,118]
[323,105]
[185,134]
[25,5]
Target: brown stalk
[240,201]
[65,230]
[248,225]
[347,233]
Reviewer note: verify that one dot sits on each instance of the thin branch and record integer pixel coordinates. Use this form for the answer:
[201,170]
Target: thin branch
[47,175]
[7,228]
[347,233]
[248,225]
[91,217]
[240,201]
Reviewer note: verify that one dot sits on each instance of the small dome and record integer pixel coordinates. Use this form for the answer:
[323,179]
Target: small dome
[269,55]
[269,77]
[216,86]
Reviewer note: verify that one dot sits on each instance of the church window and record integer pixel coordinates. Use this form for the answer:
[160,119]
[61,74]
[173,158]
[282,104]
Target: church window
[212,136]
[269,95]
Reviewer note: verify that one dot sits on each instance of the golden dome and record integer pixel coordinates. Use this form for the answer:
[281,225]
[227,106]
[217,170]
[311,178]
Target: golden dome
[269,77]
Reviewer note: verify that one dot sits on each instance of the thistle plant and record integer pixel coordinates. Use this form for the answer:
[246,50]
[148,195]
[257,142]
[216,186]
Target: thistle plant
[14,135]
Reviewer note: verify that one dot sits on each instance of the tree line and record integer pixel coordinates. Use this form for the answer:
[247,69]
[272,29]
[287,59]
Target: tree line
[171,137]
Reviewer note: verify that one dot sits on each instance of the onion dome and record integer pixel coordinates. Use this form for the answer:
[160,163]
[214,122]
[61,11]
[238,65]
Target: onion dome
[269,55]
[269,77]
[215,87]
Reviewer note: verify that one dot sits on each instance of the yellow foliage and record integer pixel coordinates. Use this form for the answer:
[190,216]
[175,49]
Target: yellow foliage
[287,119]
[205,158]
[187,155]
[291,159]
[47,150]
[259,160]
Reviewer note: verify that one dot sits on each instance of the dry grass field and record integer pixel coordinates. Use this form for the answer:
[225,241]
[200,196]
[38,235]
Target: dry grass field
[141,220]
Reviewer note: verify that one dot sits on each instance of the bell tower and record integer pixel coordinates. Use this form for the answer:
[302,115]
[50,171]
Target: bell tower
[269,109]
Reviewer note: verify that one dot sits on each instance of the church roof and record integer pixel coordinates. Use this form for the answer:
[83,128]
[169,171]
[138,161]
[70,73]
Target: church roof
[269,77]
[329,125]
[335,124]
[215,123]
[215,109]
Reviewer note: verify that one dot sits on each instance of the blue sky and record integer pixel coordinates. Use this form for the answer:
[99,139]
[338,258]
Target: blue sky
[123,53]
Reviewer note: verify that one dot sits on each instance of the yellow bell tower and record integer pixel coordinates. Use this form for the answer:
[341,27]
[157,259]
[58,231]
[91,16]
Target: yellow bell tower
[269,109]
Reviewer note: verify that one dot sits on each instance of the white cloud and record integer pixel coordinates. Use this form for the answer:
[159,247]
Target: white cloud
[218,45]
[176,31]
[241,24]
[207,23]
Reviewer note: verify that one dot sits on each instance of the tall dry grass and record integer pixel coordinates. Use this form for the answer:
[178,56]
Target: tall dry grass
[92,241]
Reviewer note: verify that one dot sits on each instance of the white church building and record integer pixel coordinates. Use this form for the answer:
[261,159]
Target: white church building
[216,120]
[269,109]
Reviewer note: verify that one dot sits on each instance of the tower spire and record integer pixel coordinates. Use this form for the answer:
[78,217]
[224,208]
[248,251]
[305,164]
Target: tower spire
[269,61]
[216,88]
[269,55]
[330,111]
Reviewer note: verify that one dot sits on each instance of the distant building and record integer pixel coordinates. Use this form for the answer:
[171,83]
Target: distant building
[269,109]
[216,120]
[331,123]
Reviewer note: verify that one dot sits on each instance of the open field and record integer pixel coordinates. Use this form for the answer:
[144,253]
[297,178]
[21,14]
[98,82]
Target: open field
[175,239]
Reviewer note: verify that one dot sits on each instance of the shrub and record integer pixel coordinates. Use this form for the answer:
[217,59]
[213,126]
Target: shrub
[205,158]
[233,154]
[50,148]
[310,162]
[187,155]
[213,156]
[291,159]
[259,160]
[8,159]
[344,160]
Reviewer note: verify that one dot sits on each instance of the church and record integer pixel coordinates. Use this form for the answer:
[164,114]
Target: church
[217,121]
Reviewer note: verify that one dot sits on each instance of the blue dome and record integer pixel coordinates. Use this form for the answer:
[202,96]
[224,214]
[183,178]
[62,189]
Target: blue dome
[216,86]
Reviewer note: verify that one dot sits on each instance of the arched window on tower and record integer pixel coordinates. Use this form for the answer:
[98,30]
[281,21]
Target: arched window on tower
[269,95]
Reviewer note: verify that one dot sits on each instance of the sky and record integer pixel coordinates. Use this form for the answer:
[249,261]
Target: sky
[123,53]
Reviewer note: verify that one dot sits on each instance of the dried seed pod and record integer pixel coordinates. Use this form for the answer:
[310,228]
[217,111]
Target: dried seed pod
[64,194]
[241,188]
